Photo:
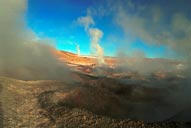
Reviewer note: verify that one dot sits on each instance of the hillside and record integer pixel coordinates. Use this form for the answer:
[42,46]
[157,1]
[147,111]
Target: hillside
[54,104]
[91,96]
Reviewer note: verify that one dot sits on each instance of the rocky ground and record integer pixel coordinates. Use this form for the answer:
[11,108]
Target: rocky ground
[47,104]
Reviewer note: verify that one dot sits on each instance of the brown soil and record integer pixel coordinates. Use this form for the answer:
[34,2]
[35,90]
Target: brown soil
[50,104]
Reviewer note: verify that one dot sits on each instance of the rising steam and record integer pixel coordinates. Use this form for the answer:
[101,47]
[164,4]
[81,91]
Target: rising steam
[86,21]
[95,35]
[21,55]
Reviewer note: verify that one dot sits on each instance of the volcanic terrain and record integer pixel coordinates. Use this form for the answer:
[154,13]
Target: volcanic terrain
[94,96]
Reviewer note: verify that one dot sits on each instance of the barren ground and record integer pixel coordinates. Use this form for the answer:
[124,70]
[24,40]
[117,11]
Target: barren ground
[32,105]
[87,102]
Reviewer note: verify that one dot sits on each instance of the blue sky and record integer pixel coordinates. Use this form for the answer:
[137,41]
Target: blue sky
[57,19]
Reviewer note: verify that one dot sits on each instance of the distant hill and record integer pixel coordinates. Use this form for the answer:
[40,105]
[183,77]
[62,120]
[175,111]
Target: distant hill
[72,58]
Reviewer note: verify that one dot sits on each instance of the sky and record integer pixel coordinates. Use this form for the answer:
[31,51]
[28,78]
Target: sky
[157,28]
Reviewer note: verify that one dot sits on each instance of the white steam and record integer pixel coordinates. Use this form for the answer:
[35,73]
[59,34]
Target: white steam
[78,49]
[137,62]
[153,28]
[21,55]
[95,35]
[86,21]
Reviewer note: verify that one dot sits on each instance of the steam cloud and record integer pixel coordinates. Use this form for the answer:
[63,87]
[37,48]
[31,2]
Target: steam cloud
[156,25]
[86,21]
[95,35]
[154,29]
[21,55]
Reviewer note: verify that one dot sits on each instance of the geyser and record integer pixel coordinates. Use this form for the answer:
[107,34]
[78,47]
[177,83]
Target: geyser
[95,35]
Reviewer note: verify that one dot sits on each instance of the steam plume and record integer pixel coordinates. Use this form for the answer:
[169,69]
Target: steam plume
[78,49]
[86,21]
[95,35]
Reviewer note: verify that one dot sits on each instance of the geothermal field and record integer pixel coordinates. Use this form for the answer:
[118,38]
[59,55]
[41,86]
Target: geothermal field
[95,64]
[104,96]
